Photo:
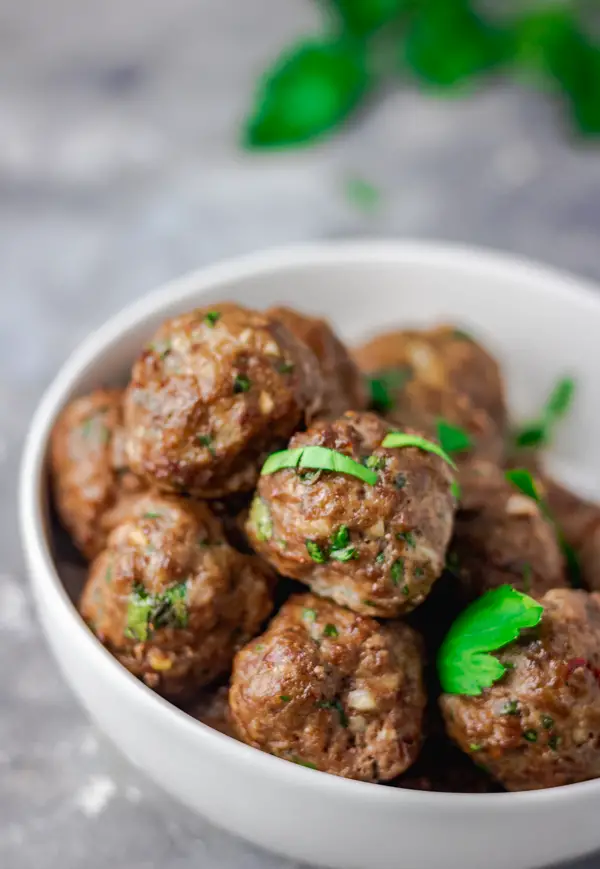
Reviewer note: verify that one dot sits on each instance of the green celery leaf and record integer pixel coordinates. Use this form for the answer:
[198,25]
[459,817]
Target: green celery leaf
[318,458]
[496,619]
[398,439]
[363,17]
[447,43]
[311,89]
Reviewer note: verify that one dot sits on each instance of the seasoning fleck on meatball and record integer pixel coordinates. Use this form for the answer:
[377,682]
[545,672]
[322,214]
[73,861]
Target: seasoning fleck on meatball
[92,482]
[171,599]
[444,359]
[579,522]
[501,537]
[343,382]
[215,391]
[539,726]
[377,549]
[332,690]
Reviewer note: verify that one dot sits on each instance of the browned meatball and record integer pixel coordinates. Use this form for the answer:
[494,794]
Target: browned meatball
[443,359]
[376,549]
[332,690]
[502,537]
[344,387]
[92,483]
[171,599]
[579,522]
[213,393]
[539,726]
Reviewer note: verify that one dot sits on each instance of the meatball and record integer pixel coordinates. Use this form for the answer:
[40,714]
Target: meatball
[171,599]
[332,690]
[443,359]
[92,483]
[442,767]
[502,537]
[539,726]
[215,391]
[343,382]
[376,549]
[579,522]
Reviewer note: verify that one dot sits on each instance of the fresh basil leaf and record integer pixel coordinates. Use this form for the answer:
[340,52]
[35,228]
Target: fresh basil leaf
[318,458]
[397,439]
[465,663]
[448,43]
[452,438]
[311,89]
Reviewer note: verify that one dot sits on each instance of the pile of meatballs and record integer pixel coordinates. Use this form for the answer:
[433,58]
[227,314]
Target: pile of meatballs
[301,611]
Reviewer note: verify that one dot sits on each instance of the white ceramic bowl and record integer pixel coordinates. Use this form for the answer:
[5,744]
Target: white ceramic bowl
[540,324]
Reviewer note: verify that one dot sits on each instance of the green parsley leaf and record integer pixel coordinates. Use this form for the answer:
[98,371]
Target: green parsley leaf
[309,615]
[346,554]
[553,741]
[400,481]
[547,722]
[530,735]
[311,89]
[377,463]
[408,537]
[337,706]
[398,439]
[206,440]
[448,43]
[496,619]
[362,194]
[285,698]
[286,367]
[241,383]
[146,611]
[380,558]
[523,481]
[363,17]
[383,384]
[340,538]
[212,318]
[260,519]
[301,762]
[330,631]
[539,432]
[318,458]
[315,552]
[397,571]
[452,438]
[151,515]
[510,708]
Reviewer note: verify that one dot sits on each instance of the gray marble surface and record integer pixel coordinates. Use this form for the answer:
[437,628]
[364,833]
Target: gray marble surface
[119,169]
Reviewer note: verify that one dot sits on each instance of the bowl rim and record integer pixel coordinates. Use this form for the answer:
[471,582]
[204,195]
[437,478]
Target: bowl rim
[34,539]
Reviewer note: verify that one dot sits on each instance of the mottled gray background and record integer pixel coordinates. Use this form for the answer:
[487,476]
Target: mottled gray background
[118,170]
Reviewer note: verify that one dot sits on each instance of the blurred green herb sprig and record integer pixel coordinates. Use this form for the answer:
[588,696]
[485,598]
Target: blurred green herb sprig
[317,83]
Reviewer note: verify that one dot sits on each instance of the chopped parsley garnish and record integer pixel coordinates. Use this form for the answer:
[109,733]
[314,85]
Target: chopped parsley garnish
[530,735]
[241,383]
[340,538]
[151,515]
[285,698]
[380,558]
[316,553]
[397,571]
[455,489]
[343,555]
[260,519]
[461,335]
[212,318]
[496,619]
[383,384]
[400,481]
[419,572]
[286,367]
[146,612]
[511,708]
[398,439]
[108,575]
[539,432]
[377,463]
[309,615]
[522,480]
[452,438]
[259,647]
[337,706]
[330,630]
[547,722]
[368,602]
[206,440]
[318,458]
[408,537]
[474,746]
[301,762]
[553,741]
[405,590]
[161,348]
